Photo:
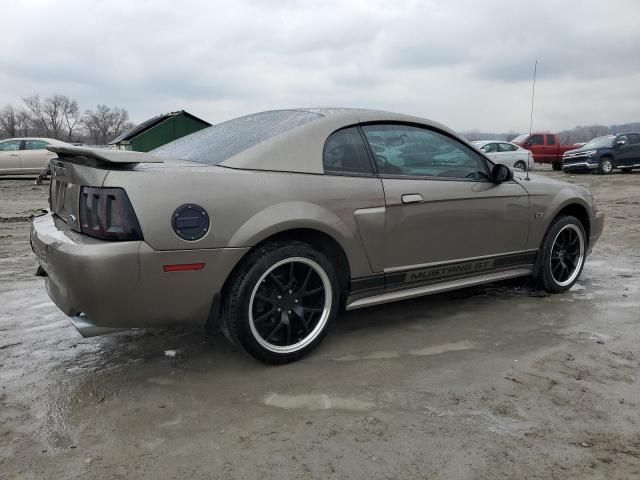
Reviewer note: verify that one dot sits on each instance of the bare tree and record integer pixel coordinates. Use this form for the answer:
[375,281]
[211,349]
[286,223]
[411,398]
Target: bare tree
[36,115]
[56,116]
[71,117]
[105,123]
[23,123]
[9,121]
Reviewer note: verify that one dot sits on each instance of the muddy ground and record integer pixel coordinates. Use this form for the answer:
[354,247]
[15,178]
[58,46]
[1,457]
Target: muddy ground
[495,382]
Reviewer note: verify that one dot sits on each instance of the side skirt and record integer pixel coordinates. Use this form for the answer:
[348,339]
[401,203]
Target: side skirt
[419,291]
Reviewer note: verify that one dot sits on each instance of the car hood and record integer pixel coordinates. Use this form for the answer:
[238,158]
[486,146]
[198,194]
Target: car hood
[541,184]
[582,149]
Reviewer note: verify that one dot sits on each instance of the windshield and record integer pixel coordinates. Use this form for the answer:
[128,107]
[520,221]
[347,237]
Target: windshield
[520,138]
[220,142]
[599,142]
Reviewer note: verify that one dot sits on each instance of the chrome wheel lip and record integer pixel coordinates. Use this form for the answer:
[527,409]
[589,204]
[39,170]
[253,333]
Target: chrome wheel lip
[578,266]
[324,317]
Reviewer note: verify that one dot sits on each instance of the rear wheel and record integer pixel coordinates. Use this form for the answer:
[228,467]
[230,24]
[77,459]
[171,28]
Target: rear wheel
[606,166]
[561,255]
[281,302]
[521,165]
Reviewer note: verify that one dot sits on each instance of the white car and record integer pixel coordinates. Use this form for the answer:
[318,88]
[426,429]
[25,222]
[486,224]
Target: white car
[507,153]
[26,156]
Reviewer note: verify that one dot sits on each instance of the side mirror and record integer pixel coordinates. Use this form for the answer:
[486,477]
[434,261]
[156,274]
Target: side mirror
[620,143]
[501,173]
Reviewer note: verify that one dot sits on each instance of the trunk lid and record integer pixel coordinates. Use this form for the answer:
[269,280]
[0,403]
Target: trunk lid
[78,167]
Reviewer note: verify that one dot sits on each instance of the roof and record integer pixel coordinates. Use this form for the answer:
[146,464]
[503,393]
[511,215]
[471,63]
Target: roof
[152,122]
[300,149]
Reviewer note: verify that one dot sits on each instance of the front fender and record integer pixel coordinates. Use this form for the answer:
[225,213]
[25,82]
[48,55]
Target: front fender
[545,207]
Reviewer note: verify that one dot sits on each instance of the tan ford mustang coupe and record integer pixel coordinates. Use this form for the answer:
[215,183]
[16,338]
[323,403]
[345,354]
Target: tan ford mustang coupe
[270,224]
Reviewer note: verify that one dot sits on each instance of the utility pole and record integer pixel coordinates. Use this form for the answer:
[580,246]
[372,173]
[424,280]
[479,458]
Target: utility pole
[533,94]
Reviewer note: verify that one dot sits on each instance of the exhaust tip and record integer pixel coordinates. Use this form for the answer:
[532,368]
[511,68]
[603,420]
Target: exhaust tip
[87,329]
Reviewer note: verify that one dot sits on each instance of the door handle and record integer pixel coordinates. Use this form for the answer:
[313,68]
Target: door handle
[412,198]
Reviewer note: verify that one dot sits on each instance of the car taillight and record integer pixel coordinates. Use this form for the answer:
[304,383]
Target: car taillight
[107,214]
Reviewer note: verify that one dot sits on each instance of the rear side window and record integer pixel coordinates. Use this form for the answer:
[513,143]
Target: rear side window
[536,140]
[506,147]
[345,152]
[35,145]
[220,142]
[551,140]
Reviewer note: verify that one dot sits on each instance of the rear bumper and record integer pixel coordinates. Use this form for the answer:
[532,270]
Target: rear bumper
[123,284]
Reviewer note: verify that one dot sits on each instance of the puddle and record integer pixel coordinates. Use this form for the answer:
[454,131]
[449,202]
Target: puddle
[444,348]
[317,402]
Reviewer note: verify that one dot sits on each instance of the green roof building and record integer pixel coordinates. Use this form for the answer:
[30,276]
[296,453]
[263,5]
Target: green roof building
[158,131]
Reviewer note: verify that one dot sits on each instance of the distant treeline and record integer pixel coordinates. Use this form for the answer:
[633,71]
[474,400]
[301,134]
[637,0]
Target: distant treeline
[59,116]
[575,135]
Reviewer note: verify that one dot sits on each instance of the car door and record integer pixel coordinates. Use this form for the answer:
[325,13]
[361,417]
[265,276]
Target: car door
[506,154]
[10,156]
[490,150]
[440,207]
[35,157]
[628,155]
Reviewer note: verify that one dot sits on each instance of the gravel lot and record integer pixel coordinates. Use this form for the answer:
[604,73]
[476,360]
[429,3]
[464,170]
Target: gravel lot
[495,382]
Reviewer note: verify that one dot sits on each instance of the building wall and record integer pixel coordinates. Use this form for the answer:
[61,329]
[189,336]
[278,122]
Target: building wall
[171,129]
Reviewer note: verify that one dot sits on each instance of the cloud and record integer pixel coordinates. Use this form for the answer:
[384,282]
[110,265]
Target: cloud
[465,63]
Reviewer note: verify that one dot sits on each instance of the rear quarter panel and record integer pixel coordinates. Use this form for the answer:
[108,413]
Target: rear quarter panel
[247,206]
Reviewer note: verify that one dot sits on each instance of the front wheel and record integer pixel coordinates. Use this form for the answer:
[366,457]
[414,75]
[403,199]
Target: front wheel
[521,165]
[606,166]
[561,255]
[281,301]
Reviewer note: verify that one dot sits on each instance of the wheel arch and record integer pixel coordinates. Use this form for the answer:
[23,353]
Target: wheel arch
[319,240]
[577,210]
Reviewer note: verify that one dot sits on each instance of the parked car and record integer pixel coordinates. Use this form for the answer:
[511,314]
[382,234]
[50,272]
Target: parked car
[272,223]
[545,147]
[507,153]
[603,154]
[26,156]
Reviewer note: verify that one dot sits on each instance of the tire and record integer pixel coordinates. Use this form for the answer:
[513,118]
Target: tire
[521,165]
[606,166]
[263,310]
[564,245]
[556,166]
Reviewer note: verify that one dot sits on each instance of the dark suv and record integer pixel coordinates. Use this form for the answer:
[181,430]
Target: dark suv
[604,154]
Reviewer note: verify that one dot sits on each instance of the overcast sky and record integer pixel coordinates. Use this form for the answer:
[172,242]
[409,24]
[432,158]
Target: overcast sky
[467,64]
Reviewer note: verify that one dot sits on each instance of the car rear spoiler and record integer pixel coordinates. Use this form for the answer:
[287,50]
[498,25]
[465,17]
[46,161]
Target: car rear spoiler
[104,155]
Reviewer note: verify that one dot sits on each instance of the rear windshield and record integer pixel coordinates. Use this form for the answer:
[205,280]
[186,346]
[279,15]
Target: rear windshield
[220,142]
[520,138]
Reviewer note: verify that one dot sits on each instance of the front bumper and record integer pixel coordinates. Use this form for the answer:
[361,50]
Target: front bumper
[580,166]
[597,225]
[123,284]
